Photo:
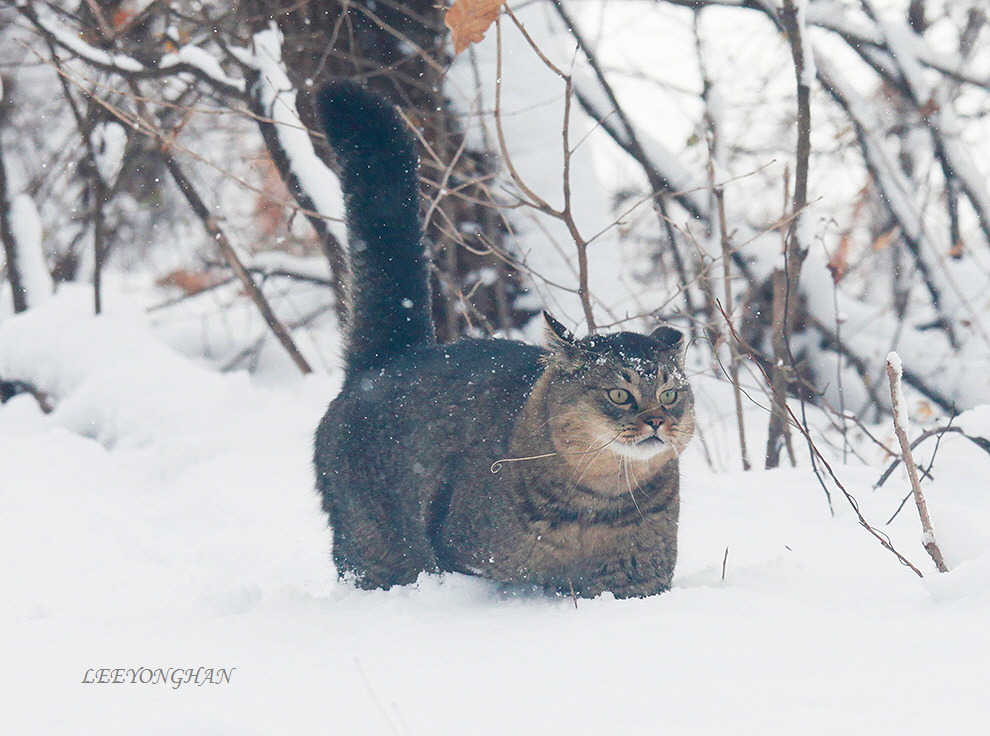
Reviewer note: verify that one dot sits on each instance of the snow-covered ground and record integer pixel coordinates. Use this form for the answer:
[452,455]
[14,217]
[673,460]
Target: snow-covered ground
[163,516]
[162,519]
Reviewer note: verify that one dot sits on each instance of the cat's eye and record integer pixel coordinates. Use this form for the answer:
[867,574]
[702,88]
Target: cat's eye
[668,397]
[619,396]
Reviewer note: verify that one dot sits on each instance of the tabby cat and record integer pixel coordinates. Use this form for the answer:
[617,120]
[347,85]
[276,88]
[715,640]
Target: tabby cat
[554,467]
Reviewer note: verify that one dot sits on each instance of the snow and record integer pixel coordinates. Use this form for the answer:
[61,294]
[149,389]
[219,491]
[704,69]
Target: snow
[898,402]
[975,422]
[894,361]
[26,228]
[163,516]
[109,142]
[808,71]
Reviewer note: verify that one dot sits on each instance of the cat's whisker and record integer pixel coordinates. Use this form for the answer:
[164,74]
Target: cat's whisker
[497,465]
[625,466]
[541,425]
[589,462]
[588,465]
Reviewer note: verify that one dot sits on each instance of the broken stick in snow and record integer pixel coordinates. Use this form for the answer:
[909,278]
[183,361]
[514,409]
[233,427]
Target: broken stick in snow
[900,429]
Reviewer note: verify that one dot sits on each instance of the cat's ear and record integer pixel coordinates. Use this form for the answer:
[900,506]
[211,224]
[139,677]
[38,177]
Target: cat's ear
[560,342]
[555,332]
[669,337]
[671,340]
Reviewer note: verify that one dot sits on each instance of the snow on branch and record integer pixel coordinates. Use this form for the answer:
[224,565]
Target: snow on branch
[189,59]
[203,65]
[833,17]
[275,99]
[26,228]
[71,42]
[936,114]
[887,177]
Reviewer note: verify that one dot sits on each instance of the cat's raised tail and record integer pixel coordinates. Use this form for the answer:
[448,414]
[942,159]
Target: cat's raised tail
[390,288]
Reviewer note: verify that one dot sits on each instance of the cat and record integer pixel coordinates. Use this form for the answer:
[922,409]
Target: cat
[553,467]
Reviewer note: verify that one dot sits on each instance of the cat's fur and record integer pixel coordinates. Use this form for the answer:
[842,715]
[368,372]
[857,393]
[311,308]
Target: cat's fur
[555,467]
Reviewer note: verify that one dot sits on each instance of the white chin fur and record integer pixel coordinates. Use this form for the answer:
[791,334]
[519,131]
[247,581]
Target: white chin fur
[642,451]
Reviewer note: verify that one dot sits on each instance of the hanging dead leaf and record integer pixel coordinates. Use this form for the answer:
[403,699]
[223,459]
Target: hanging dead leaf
[925,411]
[838,264]
[884,240]
[189,282]
[125,15]
[469,19]
[122,17]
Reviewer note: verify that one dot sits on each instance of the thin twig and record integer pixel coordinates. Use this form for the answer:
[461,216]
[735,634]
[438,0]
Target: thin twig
[900,417]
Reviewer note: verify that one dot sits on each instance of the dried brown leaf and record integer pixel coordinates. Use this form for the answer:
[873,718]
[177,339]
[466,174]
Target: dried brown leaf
[838,264]
[469,19]
[884,240]
[189,282]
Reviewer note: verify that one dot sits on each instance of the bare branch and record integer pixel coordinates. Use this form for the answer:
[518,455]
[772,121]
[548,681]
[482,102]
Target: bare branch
[715,158]
[230,255]
[900,420]
[785,281]
[566,213]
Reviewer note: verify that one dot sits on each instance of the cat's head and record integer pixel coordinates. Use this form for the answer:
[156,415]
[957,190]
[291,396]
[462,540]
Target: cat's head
[623,392]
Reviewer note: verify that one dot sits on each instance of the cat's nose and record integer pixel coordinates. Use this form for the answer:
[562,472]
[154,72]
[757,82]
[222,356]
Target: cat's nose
[654,422]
